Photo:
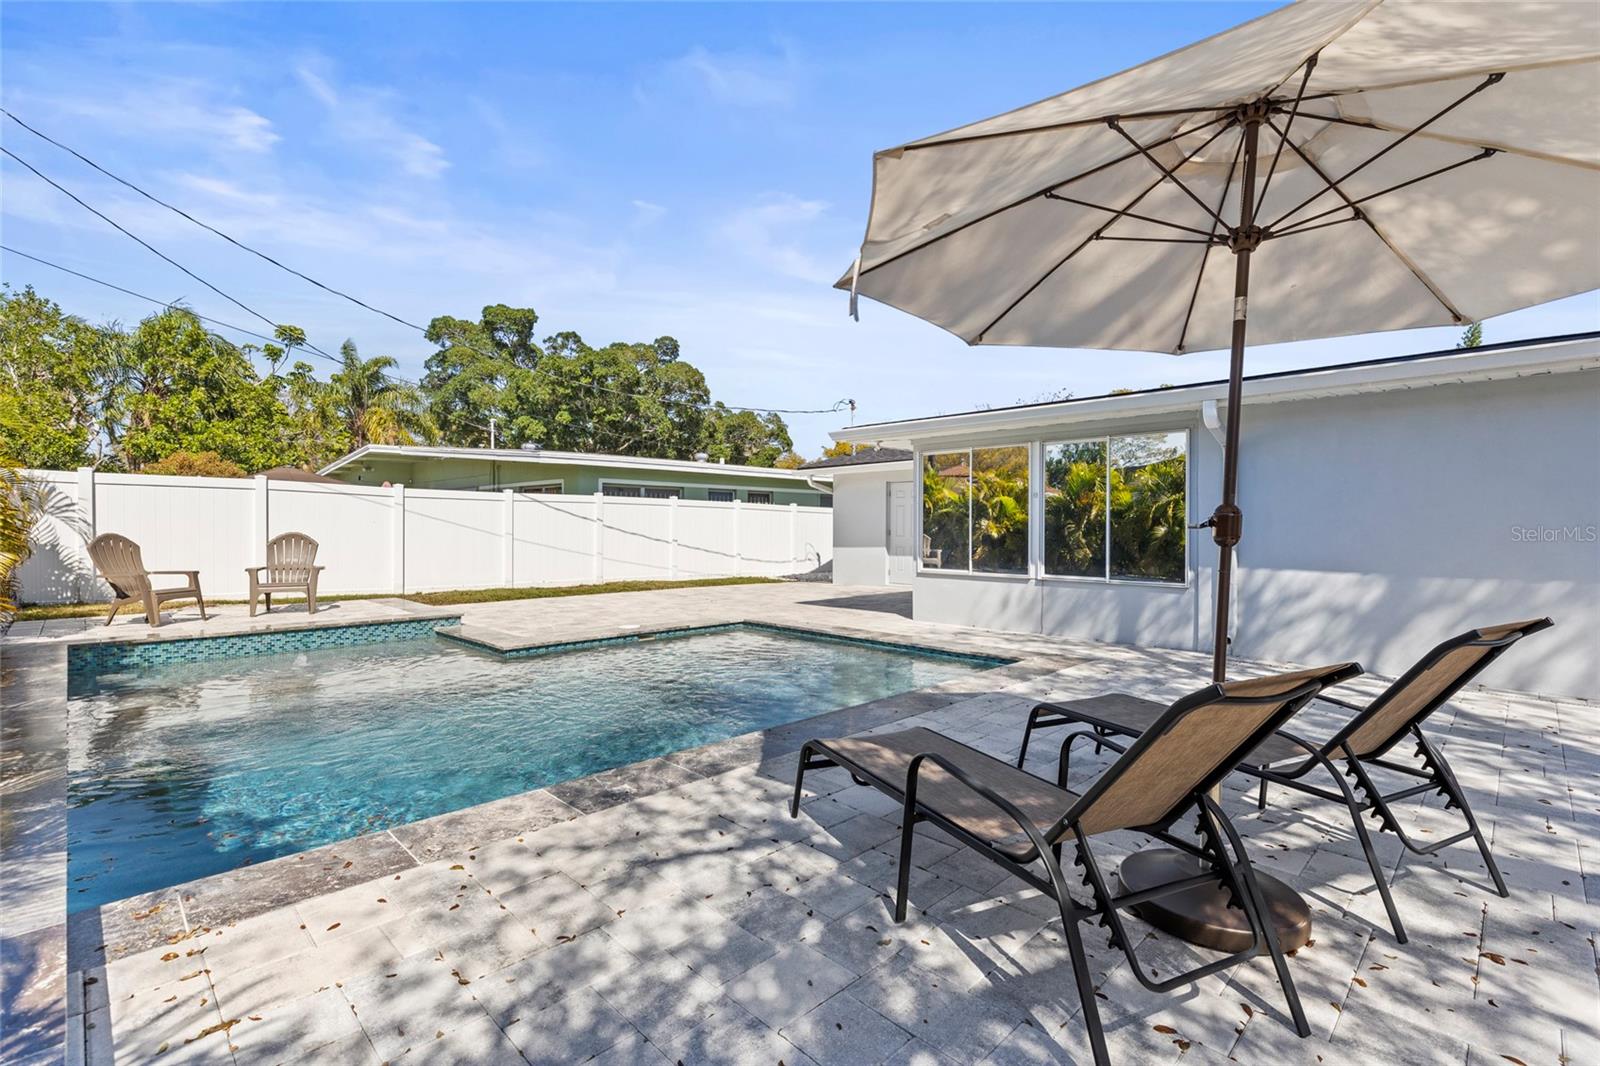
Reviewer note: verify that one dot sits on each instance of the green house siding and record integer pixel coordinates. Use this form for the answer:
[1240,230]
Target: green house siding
[486,474]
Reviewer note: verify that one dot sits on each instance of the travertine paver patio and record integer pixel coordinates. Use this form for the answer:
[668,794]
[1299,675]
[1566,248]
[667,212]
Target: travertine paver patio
[699,923]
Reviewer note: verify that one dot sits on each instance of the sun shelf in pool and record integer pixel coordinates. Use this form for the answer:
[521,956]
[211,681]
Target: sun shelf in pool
[188,769]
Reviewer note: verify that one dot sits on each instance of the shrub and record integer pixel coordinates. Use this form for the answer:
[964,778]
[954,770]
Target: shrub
[195,464]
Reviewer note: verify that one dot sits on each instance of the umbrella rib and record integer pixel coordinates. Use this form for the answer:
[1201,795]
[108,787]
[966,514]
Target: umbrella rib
[1052,127]
[1300,226]
[1053,195]
[1416,271]
[986,216]
[1152,187]
[1294,110]
[1445,138]
[1205,256]
[1385,150]
[1165,173]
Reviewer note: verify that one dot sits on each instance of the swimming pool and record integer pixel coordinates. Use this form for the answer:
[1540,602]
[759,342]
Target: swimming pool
[178,771]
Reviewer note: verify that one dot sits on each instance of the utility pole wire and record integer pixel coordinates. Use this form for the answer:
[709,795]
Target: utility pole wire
[330,289]
[206,226]
[146,244]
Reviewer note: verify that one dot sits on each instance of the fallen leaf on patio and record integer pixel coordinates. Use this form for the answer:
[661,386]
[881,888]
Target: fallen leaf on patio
[1497,959]
[220,1027]
[332,927]
[1510,1058]
[1360,981]
[347,866]
[254,1017]
[1164,1029]
[458,866]
[169,956]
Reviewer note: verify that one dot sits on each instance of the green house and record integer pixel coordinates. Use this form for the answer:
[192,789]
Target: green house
[578,473]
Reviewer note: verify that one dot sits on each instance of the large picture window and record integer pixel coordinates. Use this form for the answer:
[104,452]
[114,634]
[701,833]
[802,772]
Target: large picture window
[1115,508]
[975,510]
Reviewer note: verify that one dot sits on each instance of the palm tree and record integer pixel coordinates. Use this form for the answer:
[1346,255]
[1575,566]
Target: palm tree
[377,408]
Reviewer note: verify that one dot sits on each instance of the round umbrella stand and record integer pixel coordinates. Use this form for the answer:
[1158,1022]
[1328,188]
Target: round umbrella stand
[1206,916]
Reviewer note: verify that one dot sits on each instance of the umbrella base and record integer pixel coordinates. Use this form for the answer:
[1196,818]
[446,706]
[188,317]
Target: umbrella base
[1201,915]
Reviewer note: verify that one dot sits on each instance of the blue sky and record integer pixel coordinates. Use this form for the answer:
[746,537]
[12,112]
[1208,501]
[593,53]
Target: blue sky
[627,170]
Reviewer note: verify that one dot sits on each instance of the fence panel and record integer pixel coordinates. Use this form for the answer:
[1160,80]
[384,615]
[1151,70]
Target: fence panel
[374,540]
[453,540]
[353,528]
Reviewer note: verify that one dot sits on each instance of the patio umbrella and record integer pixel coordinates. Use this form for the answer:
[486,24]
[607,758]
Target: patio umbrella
[1365,166]
[1329,168]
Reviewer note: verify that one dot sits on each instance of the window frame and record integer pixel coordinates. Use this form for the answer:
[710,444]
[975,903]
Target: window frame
[1030,449]
[751,494]
[1188,486]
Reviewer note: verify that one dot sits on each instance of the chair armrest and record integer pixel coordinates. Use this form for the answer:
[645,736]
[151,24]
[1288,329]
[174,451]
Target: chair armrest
[254,569]
[1337,702]
[1063,760]
[172,571]
[1035,838]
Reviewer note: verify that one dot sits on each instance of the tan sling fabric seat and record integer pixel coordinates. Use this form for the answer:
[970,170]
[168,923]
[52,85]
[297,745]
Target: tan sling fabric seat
[120,562]
[1159,786]
[1363,743]
[887,756]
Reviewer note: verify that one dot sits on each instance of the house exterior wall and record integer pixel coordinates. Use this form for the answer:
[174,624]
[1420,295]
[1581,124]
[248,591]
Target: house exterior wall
[861,522]
[575,479]
[1375,526]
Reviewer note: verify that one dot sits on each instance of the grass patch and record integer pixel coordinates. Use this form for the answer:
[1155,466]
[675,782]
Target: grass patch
[433,599]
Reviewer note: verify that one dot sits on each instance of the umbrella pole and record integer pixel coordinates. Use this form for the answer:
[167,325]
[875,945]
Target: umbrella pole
[1227,520]
[1207,915]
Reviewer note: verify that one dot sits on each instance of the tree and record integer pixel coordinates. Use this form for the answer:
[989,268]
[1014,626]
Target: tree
[790,460]
[374,408]
[478,369]
[58,376]
[16,521]
[746,437]
[1472,336]
[182,388]
[839,450]
[196,464]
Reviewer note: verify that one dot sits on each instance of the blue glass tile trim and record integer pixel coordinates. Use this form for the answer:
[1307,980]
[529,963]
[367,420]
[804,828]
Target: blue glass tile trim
[986,661]
[110,656]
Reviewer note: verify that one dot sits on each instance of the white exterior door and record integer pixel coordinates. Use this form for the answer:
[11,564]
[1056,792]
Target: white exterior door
[902,530]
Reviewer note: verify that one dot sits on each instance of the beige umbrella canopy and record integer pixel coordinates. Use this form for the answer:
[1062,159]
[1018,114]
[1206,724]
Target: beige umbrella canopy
[1386,164]
[1054,225]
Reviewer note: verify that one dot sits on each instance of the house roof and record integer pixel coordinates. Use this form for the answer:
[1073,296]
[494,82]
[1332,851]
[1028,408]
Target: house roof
[294,473]
[1489,362]
[861,457]
[412,453]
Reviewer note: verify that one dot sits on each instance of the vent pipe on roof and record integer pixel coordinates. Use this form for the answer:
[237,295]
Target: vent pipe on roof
[532,446]
[702,457]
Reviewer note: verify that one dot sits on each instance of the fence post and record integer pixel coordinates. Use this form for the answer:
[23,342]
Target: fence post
[672,538]
[257,550]
[508,558]
[397,538]
[86,518]
[794,533]
[599,537]
[738,549]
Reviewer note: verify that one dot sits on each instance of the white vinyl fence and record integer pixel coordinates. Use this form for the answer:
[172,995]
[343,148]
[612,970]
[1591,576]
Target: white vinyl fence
[406,540]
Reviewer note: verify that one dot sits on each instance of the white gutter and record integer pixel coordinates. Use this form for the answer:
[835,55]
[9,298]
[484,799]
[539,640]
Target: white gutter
[1210,419]
[1554,357]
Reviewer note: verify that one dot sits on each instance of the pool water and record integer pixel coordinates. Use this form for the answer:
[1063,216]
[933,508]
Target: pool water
[185,770]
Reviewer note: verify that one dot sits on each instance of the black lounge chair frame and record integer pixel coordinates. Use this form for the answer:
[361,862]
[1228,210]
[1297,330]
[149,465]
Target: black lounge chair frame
[1216,834]
[1365,796]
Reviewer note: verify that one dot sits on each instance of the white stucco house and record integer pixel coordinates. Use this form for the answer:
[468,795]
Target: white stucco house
[1388,504]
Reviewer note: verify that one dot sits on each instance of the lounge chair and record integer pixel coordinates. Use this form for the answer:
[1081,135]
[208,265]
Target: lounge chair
[1022,822]
[1362,743]
[291,559]
[120,563]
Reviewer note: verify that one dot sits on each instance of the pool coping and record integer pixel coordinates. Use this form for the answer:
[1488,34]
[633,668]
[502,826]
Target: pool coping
[174,913]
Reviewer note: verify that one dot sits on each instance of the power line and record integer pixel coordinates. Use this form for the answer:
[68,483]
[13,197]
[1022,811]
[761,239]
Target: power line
[707,405]
[146,244]
[206,226]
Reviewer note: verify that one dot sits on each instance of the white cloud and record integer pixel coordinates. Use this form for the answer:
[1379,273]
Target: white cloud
[365,116]
[645,212]
[743,78]
[167,109]
[770,233]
